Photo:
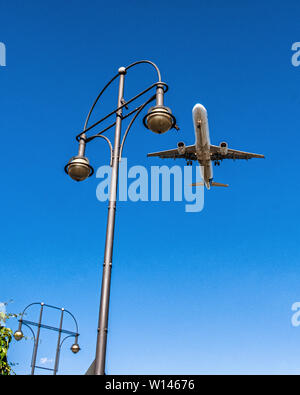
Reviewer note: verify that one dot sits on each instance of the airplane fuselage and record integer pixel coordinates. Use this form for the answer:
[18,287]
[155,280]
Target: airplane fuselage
[203,151]
[202,143]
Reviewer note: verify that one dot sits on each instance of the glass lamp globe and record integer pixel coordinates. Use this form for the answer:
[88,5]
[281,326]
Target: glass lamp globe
[79,168]
[18,335]
[75,348]
[159,119]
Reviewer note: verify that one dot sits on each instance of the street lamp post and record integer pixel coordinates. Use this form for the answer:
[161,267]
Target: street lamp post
[159,119]
[18,335]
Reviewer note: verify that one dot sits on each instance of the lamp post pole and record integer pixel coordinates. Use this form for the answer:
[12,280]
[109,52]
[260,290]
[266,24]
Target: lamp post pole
[36,342]
[159,119]
[58,343]
[106,277]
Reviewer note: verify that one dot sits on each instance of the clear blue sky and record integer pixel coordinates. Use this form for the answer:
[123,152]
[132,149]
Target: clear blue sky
[191,293]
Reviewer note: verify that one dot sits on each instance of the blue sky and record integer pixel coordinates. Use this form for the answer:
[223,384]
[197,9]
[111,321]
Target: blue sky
[192,293]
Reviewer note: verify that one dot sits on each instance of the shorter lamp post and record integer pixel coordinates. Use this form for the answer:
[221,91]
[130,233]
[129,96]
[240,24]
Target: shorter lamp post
[18,335]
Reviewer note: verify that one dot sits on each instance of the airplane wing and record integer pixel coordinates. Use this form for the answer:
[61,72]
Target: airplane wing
[189,153]
[216,154]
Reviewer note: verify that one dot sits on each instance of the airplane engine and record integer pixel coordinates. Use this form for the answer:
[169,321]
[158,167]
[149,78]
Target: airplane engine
[181,148]
[224,148]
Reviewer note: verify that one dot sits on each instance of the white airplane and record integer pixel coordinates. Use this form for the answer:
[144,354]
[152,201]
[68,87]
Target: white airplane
[204,152]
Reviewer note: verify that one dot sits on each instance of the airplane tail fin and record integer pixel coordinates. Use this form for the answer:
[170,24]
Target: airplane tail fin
[213,184]
[218,184]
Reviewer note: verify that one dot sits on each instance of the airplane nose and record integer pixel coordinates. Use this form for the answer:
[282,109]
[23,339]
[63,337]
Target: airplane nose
[199,107]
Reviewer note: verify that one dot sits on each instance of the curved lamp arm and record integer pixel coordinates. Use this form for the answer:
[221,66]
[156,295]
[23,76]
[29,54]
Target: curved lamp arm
[31,304]
[66,311]
[110,147]
[96,101]
[145,61]
[65,338]
[30,330]
[109,143]
[107,85]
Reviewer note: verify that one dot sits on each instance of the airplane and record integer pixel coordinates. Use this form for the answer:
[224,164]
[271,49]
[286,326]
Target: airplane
[204,152]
